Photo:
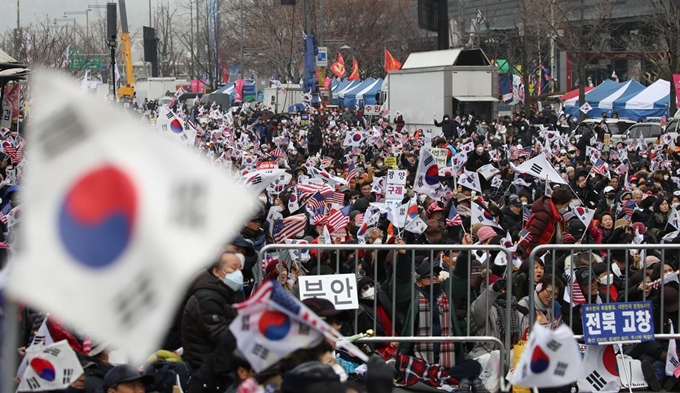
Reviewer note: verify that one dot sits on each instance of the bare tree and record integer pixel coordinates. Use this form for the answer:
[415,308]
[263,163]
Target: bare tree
[660,44]
[584,36]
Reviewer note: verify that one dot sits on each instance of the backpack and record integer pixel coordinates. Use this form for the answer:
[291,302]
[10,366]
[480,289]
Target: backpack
[165,376]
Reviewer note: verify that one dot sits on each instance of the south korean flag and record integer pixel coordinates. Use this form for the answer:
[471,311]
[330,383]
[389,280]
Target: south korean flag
[106,214]
[53,367]
[551,359]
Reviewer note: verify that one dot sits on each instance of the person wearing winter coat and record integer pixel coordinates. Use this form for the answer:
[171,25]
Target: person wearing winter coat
[207,315]
[546,224]
[447,126]
[658,220]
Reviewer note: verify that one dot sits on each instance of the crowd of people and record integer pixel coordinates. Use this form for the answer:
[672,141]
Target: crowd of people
[333,167]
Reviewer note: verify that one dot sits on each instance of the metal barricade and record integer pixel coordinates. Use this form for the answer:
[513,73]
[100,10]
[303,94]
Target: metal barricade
[435,254]
[582,253]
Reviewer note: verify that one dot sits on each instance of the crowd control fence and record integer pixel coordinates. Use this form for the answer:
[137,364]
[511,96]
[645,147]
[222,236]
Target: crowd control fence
[390,257]
[560,261]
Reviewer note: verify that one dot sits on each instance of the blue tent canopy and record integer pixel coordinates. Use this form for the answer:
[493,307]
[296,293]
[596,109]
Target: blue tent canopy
[363,93]
[604,90]
[342,87]
[226,89]
[652,101]
[347,96]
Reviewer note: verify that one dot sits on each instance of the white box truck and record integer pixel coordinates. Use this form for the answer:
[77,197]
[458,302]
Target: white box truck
[452,82]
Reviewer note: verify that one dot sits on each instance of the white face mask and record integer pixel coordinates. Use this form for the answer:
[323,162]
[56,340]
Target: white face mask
[368,294]
[480,150]
[666,177]
[234,280]
[377,241]
[607,280]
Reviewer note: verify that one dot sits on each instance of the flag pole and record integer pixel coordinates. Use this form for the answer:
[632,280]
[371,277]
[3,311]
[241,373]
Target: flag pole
[625,370]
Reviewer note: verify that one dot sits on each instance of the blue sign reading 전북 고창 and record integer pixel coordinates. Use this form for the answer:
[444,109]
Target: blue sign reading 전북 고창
[617,323]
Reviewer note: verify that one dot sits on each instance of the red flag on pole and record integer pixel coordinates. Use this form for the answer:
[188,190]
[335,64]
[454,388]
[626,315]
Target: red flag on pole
[391,64]
[355,71]
[338,67]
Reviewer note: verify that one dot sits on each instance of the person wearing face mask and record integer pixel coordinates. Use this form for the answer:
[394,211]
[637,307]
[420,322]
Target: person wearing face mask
[375,308]
[546,224]
[432,312]
[607,203]
[447,127]
[208,311]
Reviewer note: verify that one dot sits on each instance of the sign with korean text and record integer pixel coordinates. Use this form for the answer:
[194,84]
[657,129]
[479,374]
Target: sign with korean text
[339,289]
[6,120]
[372,110]
[440,155]
[266,165]
[617,323]
[304,120]
[396,184]
[391,162]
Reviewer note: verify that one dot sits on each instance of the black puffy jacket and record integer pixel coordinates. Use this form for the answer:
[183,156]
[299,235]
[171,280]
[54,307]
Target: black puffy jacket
[206,317]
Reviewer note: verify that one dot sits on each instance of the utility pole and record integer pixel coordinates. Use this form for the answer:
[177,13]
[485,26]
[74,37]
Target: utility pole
[150,25]
[198,35]
[241,54]
[305,11]
[191,41]
[321,23]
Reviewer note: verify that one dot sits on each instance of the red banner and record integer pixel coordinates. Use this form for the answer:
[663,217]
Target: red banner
[11,98]
[238,89]
[197,86]
[676,83]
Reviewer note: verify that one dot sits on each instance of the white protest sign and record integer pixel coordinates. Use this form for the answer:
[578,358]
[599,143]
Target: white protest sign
[428,138]
[339,289]
[372,110]
[395,192]
[6,120]
[397,177]
[440,155]
[396,184]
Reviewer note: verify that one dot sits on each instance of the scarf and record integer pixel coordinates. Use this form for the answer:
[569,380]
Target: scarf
[435,321]
[500,304]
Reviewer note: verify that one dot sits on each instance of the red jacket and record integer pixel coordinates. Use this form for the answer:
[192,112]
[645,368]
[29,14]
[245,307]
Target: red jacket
[541,226]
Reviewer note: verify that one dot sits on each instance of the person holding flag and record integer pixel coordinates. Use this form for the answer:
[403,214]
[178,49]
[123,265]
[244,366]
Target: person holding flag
[546,224]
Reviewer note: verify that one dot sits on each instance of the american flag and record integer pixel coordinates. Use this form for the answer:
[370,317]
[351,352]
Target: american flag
[326,162]
[315,201]
[3,218]
[288,227]
[260,296]
[600,168]
[629,208]
[454,219]
[337,220]
[15,154]
[526,214]
[308,189]
[337,198]
[266,260]
[351,172]
[278,153]
[359,219]
[320,217]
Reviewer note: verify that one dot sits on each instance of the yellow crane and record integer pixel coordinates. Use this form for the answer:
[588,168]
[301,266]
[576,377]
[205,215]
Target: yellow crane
[128,90]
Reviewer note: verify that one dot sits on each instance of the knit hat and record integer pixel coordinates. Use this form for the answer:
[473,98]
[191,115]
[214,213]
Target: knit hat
[485,233]
[650,261]
[476,228]
[642,229]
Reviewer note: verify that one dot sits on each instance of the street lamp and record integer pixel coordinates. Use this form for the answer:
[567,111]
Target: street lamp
[66,19]
[87,20]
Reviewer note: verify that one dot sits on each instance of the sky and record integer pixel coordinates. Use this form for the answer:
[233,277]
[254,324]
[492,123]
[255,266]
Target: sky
[30,10]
